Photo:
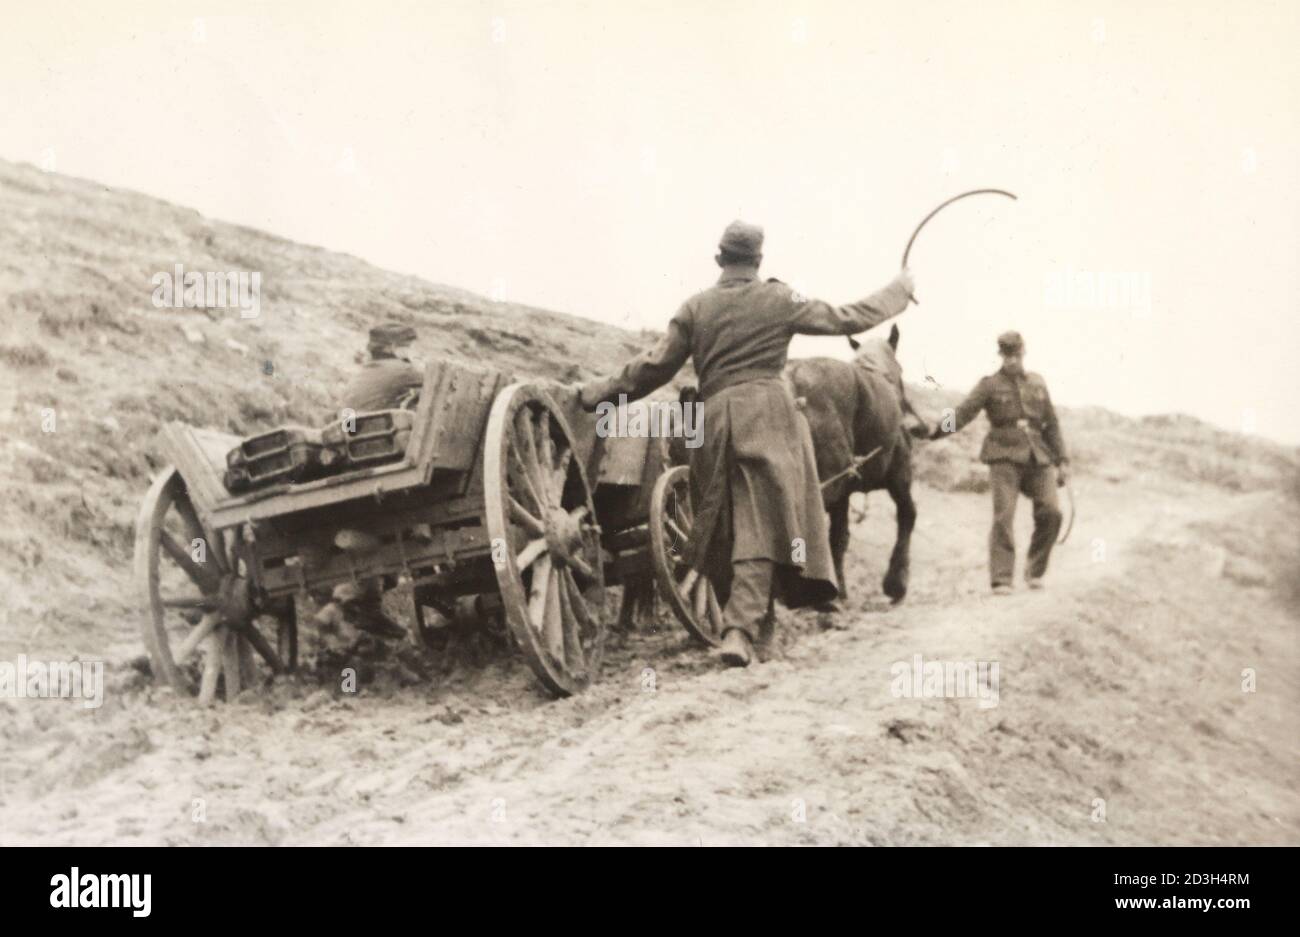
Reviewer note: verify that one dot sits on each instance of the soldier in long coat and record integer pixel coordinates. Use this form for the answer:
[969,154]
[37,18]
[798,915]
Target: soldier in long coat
[760,530]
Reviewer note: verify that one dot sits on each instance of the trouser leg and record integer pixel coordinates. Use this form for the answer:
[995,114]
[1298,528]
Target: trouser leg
[750,602]
[1004,479]
[362,604]
[1040,486]
[368,593]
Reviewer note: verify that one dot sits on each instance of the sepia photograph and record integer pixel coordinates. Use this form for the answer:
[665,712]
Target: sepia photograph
[677,424]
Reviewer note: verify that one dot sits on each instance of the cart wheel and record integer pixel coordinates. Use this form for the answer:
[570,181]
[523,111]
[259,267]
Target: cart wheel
[689,593]
[541,523]
[200,629]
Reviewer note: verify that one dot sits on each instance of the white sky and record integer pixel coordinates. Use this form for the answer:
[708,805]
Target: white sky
[586,156]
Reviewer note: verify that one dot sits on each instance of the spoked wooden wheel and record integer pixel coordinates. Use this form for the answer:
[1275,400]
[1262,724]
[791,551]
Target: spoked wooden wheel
[689,593]
[545,543]
[200,625]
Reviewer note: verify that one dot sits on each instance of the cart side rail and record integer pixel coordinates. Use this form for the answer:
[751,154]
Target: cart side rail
[446,436]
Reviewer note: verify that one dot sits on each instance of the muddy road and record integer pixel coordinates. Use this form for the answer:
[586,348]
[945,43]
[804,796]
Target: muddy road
[1120,717]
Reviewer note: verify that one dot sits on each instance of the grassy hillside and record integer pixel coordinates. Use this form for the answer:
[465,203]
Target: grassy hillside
[1118,449]
[80,339]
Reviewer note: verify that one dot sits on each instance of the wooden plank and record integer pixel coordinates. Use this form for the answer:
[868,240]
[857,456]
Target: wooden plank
[445,452]
[327,491]
[452,412]
[191,451]
[657,462]
[421,434]
[461,416]
[463,545]
[621,459]
[624,461]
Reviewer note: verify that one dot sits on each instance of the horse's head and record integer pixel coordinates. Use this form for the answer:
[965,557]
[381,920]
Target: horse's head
[893,339]
[880,355]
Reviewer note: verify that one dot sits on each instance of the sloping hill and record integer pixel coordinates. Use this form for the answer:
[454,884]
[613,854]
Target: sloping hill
[83,345]
[1123,682]
[81,342]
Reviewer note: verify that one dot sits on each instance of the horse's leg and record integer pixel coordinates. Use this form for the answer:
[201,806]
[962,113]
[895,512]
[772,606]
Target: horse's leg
[830,613]
[839,514]
[899,485]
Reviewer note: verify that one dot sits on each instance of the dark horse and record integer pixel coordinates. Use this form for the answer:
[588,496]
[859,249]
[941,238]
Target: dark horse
[853,409]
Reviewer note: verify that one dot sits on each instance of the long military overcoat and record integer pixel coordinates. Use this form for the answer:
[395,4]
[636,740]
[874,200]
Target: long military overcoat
[754,477]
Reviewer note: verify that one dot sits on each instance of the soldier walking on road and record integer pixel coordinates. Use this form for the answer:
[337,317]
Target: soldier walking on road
[1025,454]
[760,529]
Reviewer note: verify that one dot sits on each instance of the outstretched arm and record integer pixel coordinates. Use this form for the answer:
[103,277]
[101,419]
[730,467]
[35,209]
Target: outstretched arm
[815,317]
[966,411]
[646,372]
[921,429]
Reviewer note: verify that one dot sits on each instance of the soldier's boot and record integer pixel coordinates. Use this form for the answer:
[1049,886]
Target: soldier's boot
[749,604]
[1001,589]
[830,616]
[1034,582]
[737,650]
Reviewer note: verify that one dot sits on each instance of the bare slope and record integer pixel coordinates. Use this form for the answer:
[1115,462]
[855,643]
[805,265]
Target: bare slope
[82,344]
[1122,683]
[81,339]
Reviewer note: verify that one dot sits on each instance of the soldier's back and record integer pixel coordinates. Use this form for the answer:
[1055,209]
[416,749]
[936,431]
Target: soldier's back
[381,385]
[740,327]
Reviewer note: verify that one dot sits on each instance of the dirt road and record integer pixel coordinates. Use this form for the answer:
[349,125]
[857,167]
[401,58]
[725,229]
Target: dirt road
[1120,717]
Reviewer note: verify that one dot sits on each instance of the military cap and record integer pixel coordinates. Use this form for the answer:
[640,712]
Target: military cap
[392,333]
[742,239]
[1010,343]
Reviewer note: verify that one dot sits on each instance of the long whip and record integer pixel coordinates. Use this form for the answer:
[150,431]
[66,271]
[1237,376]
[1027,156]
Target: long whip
[1069,525]
[907,251]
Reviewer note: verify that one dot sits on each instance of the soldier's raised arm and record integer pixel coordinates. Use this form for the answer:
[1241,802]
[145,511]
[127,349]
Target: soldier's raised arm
[648,371]
[816,317]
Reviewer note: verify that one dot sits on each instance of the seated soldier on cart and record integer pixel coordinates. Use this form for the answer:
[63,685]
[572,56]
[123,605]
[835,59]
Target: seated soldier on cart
[387,380]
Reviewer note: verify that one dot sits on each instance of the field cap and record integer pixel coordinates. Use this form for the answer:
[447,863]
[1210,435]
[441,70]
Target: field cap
[1010,343]
[742,239]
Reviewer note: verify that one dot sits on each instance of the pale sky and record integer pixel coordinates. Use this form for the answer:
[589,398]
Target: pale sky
[586,156]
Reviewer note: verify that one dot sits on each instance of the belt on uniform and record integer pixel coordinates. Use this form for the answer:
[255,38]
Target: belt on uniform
[724,381]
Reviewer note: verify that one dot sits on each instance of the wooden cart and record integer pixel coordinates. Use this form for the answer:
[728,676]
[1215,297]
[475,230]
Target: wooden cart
[506,501]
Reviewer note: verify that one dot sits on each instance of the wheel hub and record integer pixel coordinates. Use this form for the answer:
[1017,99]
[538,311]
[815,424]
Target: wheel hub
[563,535]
